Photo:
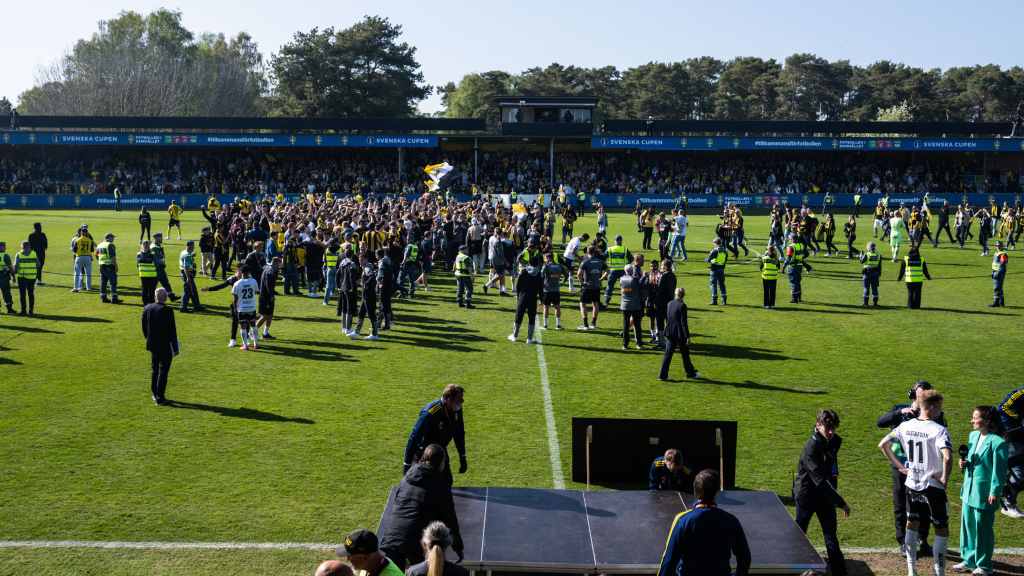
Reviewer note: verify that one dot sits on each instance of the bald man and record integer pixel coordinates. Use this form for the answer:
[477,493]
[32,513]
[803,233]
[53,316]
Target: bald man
[335,568]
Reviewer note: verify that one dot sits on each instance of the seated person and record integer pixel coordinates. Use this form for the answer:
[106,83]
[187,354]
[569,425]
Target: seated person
[671,472]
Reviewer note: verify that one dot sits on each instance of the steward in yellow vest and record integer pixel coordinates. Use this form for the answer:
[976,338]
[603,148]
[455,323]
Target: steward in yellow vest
[769,276]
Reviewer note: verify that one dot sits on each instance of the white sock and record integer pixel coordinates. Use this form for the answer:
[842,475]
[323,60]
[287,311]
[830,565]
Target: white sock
[254,334]
[939,554]
[910,545]
[266,330]
[245,341]
[558,321]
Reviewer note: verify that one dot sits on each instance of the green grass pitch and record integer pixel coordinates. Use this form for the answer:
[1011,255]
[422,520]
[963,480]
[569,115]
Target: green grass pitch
[299,441]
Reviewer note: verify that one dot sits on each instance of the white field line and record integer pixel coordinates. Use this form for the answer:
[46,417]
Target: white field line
[549,416]
[165,545]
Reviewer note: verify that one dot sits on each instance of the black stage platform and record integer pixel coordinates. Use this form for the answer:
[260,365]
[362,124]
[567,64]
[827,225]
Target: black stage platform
[576,532]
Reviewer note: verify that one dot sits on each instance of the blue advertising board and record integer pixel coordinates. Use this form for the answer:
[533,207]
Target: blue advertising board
[824,144]
[194,201]
[149,139]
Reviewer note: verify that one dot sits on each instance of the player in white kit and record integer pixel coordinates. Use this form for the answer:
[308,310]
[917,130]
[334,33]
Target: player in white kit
[929,462]
[244,293]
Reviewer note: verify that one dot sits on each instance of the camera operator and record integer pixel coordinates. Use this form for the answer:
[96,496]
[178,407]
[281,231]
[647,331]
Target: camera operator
[899,414]
[1011,412]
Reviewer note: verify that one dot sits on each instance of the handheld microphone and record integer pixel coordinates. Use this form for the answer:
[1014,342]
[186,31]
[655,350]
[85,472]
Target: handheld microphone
[963,454]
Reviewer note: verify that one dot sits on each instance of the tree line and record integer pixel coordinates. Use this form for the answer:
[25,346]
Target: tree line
[803,87]
[151,65]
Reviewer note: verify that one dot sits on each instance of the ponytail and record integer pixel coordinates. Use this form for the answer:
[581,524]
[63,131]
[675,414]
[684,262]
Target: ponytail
[436,539]
[435,560]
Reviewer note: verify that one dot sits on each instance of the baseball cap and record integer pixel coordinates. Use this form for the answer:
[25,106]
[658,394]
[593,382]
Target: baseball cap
[158,235]
[3,243]
[190,243]
[999,242]
[463,247]
[358,542]
[108,235]
[618,238]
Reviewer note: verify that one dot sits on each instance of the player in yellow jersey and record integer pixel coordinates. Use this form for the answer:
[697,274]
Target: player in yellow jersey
[175,211]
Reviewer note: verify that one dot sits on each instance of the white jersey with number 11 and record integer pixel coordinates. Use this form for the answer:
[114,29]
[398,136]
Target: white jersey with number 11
[923,441]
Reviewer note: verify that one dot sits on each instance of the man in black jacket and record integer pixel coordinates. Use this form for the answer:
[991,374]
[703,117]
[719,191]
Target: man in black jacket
[678,335]
[423,496]
[161,341]
[39,245]
[815,488]
[943,223]
[348,294]
[891,419]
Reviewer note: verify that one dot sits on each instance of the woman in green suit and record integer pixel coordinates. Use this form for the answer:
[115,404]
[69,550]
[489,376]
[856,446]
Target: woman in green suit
[984,474]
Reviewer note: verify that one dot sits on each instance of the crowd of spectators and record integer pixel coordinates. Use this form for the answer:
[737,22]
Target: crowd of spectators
[234,171]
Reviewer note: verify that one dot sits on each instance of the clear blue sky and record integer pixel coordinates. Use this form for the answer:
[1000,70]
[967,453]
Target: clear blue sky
[478,36]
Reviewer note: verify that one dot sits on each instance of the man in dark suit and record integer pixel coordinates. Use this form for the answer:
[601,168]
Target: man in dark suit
[666,291]
[678,335]
[161,341]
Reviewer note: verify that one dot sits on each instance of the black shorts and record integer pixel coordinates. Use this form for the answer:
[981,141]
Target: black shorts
[174,223]
[566,231]
[928,506]
[551,298]
[266,306]
[650,311]
[427,266]
[249,317]
[590,295]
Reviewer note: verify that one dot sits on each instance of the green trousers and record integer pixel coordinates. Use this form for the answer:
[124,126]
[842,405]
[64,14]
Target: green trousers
[977,538]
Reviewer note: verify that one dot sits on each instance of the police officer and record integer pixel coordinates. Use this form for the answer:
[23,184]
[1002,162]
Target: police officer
[161,265]
[410,261]
[717,258]
[331,259]
[26,268]
[531,255]
[617,259]
[553,276]
[187,263]
[439,423]
[915,270]
[871,272]
[795,254]
[368,301]
[671,472]
[769,276]
[464,276]
[146,263]
[6,273]
[106,252]
[999,261]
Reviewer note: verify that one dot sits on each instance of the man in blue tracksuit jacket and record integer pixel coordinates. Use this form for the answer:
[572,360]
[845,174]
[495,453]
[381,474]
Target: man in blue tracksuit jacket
[703,539]
[439,423]
[671,472]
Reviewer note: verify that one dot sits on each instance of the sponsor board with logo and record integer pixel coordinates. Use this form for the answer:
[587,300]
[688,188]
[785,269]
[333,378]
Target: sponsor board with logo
[626,201]
[755,143]
[22,137]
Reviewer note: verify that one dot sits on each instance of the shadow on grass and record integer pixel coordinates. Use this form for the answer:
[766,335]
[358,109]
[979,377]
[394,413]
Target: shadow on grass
[738,352]
[9,362]
[755,386]
[959,311]
[307,353]
[57,318]
[246,413]
[439,343]
[29,329]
